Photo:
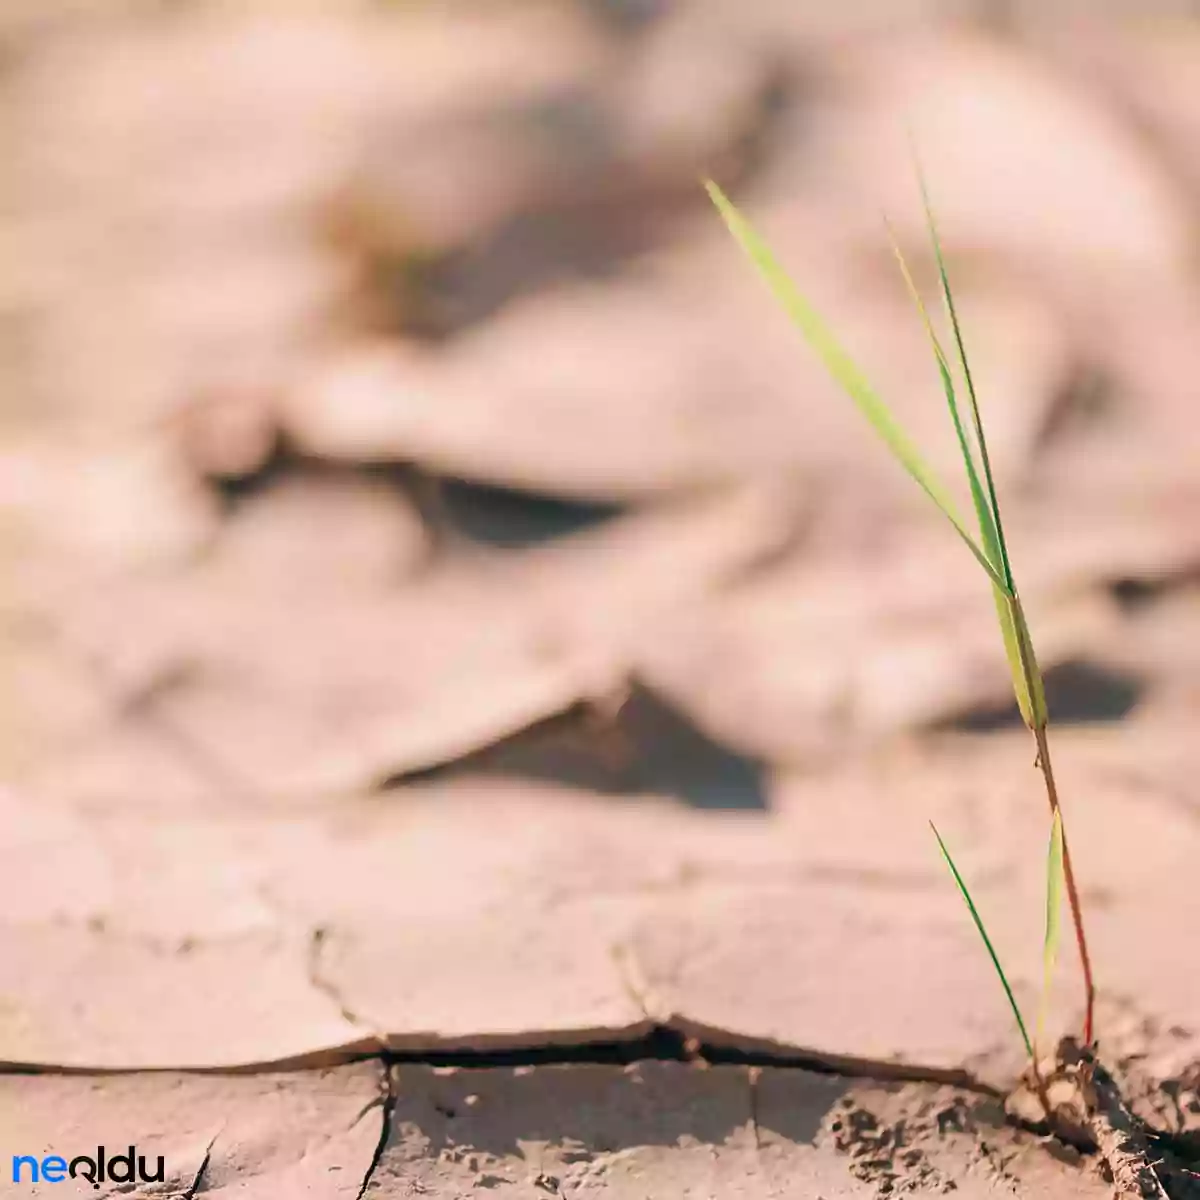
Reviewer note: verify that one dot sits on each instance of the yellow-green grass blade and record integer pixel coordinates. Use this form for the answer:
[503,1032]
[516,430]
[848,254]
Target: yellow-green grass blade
[960,345]
[843,369]
[987,941]
[1054,889]
[1027,682]
[1022,664]
[983,512]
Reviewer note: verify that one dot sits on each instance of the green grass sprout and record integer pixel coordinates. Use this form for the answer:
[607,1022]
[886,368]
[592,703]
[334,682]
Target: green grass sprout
[1054,881]
[1027,686]
[843,369]
[987,941]
[989,549]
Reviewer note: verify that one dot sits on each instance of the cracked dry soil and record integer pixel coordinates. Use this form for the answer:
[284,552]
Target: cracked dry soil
[655,1128]
[383,602]
[567,1124]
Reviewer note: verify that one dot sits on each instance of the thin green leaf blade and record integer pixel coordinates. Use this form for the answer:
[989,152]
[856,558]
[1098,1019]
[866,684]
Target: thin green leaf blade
[983,511]
[987,941]
[1054,890]
[1027,681]
[843,369]
[968,378]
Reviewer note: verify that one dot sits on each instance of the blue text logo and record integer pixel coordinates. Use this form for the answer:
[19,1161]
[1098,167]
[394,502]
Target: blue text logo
[120,1168]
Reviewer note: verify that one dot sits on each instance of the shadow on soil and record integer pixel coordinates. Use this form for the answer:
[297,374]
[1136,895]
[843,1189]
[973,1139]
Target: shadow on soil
[661,1090]
[596,1110]
[508,519]
[645,747]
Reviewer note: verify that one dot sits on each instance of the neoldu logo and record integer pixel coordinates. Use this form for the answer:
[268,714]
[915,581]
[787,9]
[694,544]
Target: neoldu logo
[120,1168]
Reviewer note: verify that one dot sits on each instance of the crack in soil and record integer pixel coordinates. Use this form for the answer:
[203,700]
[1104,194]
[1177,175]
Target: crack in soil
[328,989]
[636,986]
[197,1179]
[386,1103]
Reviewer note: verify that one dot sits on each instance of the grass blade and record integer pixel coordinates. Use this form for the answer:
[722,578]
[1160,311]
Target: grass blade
[843,369]
[1018,647]
[987,941]
[983,511]
[1054,885]
[960,345]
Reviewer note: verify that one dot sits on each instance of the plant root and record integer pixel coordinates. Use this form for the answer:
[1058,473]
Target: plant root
[1080,1102]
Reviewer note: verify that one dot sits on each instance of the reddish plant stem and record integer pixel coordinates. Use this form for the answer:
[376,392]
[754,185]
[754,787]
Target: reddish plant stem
[1044,764]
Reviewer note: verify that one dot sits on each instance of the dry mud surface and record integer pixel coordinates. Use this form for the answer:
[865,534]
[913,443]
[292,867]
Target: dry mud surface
[649,1129]
[474,695]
